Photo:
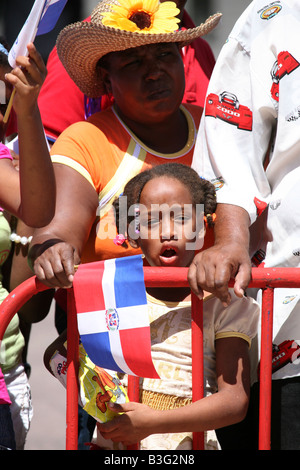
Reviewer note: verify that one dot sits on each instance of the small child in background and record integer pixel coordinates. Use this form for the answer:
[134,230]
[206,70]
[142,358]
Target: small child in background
[161,217]
[27,191]
[8,129]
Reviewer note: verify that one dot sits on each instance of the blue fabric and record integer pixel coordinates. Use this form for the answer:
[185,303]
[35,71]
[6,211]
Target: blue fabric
[7,436]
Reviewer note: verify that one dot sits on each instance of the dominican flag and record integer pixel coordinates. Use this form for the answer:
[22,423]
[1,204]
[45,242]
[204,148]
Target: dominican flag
[41,19]
[112,315]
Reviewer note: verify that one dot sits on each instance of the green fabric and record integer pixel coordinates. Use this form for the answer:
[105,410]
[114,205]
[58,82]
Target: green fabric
[13,340]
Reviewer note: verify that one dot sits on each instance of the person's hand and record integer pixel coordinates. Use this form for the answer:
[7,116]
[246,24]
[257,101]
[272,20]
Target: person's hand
[212,269]
[130,427]
[27,79]
[54,265]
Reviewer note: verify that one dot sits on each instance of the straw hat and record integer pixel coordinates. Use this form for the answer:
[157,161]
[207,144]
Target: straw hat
[82,44]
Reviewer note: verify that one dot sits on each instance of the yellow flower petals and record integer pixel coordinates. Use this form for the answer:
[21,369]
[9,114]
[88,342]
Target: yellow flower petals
[169,8]
[161,17]
[128,4]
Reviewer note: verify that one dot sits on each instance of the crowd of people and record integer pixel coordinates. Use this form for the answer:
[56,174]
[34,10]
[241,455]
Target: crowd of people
[153,118]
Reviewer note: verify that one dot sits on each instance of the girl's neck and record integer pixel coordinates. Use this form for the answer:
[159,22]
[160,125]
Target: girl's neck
[169,294]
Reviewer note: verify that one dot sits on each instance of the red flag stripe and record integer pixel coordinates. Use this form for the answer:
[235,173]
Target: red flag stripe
[89,299]
[136,346]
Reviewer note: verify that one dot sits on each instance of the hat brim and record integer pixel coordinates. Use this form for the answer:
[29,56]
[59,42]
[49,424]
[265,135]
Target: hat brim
[80,46]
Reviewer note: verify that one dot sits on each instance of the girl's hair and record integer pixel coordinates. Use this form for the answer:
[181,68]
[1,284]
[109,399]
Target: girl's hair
[201,190]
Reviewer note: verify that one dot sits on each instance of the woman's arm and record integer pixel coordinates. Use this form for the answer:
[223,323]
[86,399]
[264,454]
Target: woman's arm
[227,406]
[57,247]
[29,194]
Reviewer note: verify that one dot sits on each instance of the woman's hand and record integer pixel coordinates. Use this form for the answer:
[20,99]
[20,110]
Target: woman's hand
[54,263]
[212,269]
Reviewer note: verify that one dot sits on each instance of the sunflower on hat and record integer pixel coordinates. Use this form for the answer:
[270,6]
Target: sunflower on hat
[143,16]
[118,25]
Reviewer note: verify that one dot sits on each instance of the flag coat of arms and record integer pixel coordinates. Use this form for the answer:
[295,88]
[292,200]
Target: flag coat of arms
[112,315]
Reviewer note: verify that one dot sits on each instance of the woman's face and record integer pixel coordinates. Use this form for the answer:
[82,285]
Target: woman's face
[147,82]
[166,225]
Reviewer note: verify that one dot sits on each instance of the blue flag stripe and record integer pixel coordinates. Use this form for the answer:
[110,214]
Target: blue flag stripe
[97,347]
[129,283]
[51,17]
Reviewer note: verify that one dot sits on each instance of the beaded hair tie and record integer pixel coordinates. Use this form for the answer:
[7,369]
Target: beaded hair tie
[119,239]
[212,216]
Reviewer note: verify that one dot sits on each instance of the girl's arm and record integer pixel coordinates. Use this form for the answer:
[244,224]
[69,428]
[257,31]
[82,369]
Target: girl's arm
[227,406]
[30,193]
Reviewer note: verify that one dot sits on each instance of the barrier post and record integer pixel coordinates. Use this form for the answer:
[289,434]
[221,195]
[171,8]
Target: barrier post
[133,395]
[72,375]
[197,362]
[265,390]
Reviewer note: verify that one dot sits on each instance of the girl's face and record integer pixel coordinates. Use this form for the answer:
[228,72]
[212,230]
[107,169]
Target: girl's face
[167,223]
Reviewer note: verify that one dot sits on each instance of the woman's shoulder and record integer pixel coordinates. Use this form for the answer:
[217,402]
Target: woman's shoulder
[102,118]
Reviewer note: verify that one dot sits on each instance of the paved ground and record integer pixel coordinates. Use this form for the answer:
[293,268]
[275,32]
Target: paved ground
[48,426]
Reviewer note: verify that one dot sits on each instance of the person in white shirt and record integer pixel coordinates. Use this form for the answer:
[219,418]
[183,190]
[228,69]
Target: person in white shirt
[248,146]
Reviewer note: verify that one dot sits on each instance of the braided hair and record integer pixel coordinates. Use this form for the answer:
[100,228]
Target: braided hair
[201,190]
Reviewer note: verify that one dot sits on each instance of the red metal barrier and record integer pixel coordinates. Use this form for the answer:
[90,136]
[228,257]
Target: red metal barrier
[265,278]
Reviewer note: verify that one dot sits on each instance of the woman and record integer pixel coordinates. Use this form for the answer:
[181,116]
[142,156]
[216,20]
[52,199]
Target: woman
[146,126]
[198,62]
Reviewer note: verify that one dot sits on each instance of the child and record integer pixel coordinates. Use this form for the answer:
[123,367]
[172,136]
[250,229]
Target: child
[227,332]
[164,235]
[28,193]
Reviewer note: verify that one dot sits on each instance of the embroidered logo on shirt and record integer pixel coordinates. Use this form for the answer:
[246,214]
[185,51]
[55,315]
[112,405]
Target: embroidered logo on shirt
[288,299]
[294,115]
[284,65]
[258,258]
[284,353]
[271,10]
[260,205]
[218,183]
[227,108]
[275,204]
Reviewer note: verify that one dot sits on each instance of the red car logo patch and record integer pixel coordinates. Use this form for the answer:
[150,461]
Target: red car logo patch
[287,352]
[227,108]
[284,65]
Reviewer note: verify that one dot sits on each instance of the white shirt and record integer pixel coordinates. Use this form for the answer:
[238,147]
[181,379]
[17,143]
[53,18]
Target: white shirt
[253,102]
